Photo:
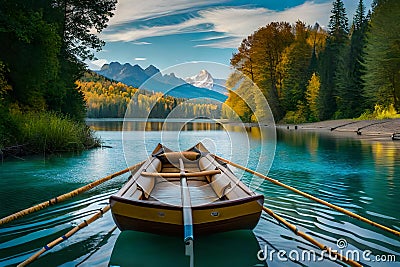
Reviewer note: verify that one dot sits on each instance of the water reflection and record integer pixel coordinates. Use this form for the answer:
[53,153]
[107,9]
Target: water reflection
[154,125]
[137,249]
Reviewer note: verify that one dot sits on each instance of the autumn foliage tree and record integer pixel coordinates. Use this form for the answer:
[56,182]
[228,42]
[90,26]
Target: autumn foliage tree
[278,59]
[309,74]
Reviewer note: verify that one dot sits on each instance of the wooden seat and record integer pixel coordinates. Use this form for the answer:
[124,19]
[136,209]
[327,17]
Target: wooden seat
[177,175]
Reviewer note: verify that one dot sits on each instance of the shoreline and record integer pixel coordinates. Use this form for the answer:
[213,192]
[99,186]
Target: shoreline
[374,130]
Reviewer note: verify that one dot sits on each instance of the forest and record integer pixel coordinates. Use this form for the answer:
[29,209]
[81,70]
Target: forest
[42,51]
[307,73]
[109,99]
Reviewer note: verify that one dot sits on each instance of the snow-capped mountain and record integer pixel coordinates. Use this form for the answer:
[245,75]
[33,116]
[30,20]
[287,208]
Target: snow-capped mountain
[203,80]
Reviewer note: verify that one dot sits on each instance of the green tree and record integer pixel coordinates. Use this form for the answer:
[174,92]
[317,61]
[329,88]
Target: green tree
[76,19]
[43,45]
[338,22]
[296,69]
[333,54]
[29,48]
[243,59]
[382,63]
[349,82]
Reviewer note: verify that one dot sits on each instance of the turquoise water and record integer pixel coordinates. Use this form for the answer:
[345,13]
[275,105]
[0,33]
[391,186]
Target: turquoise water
[359,175]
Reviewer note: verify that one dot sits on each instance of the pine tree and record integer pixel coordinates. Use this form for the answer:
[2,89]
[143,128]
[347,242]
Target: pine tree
[359,17]
[349,81]
[382,75]
[338,23]
[329,65]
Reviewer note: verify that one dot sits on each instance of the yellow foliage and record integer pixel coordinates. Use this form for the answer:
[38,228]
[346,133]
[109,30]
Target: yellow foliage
[312,96]
[111,99]
[381,112]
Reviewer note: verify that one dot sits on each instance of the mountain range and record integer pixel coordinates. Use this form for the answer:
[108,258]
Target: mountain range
[150,78]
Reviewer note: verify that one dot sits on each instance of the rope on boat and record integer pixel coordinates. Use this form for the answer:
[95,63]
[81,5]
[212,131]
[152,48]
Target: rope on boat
[332,206]
[65,196]
[294,229]
[65,236]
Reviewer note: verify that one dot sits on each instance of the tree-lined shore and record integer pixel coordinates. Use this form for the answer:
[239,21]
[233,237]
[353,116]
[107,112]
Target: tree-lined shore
[307,73]
[110,99]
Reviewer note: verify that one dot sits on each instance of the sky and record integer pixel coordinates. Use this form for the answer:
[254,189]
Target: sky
[166,33]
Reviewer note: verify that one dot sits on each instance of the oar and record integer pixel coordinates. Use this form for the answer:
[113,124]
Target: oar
[332,206]
[187,215]
[294,229]
[66,196]
[66,236]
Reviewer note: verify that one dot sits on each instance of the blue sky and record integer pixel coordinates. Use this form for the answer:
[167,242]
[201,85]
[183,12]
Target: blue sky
[169,32]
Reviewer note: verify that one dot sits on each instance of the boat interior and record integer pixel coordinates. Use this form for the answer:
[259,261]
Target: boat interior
[208,181]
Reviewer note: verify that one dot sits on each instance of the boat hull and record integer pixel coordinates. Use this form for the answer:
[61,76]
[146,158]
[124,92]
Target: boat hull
[159,218]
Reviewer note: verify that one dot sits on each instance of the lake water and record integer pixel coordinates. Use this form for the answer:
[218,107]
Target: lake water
[361,176]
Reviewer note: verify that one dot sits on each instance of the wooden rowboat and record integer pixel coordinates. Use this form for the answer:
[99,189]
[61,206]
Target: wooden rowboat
[186,192]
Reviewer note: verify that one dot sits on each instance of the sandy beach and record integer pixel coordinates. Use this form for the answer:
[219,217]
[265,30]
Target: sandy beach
[363,129]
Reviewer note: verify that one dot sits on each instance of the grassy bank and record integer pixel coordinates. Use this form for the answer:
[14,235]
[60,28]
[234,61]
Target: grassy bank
[38,132]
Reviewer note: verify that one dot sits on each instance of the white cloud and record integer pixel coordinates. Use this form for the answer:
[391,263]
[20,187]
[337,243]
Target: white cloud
[141,43]
[140,58]
[134,34]
[234,23]
[131,10]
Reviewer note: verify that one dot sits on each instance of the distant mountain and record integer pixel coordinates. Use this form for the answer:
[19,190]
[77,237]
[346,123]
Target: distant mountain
[152,79]
[204,80]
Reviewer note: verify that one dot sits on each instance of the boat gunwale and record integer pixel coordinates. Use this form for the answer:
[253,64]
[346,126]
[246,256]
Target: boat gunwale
[211,205]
